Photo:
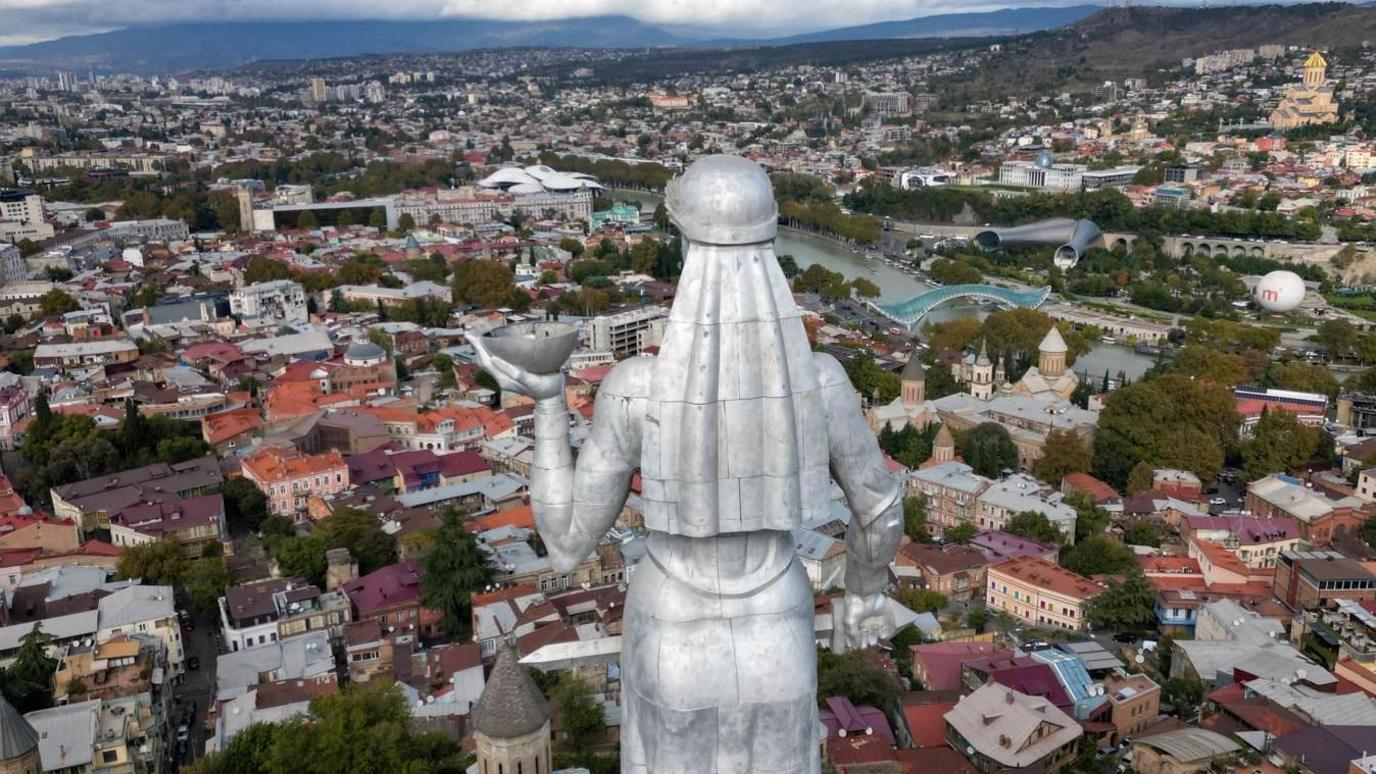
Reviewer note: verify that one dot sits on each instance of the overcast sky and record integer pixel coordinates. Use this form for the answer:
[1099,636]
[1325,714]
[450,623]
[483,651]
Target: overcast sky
[25,21]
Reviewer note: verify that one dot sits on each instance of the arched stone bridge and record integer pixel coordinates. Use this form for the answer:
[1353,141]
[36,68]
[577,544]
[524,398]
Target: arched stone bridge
[911,311]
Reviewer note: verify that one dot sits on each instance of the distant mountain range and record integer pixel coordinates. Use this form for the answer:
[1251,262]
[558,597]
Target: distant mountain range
[174,48]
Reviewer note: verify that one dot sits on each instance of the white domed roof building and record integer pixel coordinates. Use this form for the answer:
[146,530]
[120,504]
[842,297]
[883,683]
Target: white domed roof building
[364,353]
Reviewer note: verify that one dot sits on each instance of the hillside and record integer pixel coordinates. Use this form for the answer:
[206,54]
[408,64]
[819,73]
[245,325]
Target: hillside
[1138,41]
[1006,21]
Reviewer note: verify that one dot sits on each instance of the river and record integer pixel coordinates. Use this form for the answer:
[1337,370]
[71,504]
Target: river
[894,285]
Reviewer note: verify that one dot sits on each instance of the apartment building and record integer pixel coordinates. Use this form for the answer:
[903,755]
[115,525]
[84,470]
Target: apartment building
[85,354]
[1040,592]
[1306,580]
[15,406]
[21,216]
[1135,701]
[1019,492]
[12,267]
[266,611]
[94,501]
[279,300]
[194,522]
[952,490]
[290,478]
[628,333]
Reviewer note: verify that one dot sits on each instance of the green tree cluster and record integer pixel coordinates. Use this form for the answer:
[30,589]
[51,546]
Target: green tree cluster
[455,569]
[27,683]
[989,449]
[1170,421]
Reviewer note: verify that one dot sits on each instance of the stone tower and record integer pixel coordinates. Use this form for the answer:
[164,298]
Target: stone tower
[340,568]
[511,720]
[1052,352]
[943,446]
[913,383]
[1315,70]
[413,251]
[982,375]
[18,743]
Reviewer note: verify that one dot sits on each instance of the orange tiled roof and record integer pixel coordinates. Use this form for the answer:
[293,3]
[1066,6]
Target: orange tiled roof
[1039,573]
[273,464]
[522,516]
[221,426]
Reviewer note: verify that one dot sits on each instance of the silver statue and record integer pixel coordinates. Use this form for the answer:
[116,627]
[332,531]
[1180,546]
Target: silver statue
[736,428]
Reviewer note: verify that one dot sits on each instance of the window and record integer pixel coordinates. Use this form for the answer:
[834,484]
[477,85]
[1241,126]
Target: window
[109,756]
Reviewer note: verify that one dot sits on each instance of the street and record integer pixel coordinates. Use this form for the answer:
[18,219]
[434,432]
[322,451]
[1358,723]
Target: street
[196,686]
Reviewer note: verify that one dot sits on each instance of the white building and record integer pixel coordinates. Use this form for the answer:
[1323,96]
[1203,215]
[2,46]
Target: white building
[1020,492]
[373,294]
[21,216]
[11,265]
[1051,177]
[628,333]
[280,300]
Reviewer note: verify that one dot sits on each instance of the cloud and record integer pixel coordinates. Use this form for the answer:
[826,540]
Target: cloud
[23,21]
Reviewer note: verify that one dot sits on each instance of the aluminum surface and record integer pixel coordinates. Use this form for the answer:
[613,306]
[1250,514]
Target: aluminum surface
[737,428]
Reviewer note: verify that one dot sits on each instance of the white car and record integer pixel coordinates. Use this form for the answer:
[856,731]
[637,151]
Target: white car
[1217,501]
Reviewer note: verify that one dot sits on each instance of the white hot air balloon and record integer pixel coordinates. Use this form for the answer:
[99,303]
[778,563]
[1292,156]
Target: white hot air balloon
[1279,291]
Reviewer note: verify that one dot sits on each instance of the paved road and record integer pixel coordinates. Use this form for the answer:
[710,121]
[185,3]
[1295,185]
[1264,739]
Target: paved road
[196,686]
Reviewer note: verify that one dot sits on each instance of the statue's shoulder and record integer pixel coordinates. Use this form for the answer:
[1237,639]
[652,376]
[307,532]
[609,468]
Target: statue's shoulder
[630,378]
[830,372]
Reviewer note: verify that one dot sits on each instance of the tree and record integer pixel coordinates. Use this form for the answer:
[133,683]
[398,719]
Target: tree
[921,600]
[405,223]
[307,221]
[1338,337]
[915,519]
[977,618]
[159,563]
[57,302]
[989,449]
[245,504]
[299,557]
[361,533]
[444,366]
[1063,453]
[174,450]
[378,220]
[1124,607]
[1142,477]
[361,728]
[1279,444]
[485,284]
[206,583]
[856,676]
[1099,555]
[1142,533]
[344,219]
[864,288]
[962,533]
[1201,417]
[1034,525]
[582,722]
[1183,694]
[28,681]
[1090,519]
[455,568]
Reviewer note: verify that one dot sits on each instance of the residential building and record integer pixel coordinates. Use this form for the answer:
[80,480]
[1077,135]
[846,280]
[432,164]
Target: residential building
[290,478]
[1135,701]
[376,294]
[1183,751]
[84,354]
[1319,517]
[391,596]
[265,611]
[628,333]
[119,735]
[956,571]
[1019,493]
[952,490]
[15,407]
[1257,542]
[1040,592]
[1001,729]
[92,502]
[1306,580]
[12,267]
[21,217]
[194,522]
[887,104]
[279,300]
[143,610]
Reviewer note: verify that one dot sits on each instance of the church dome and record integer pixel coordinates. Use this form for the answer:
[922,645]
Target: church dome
[17,737]
[1053,343]
[364,353]
[511,705]
[914,371]
[723,200]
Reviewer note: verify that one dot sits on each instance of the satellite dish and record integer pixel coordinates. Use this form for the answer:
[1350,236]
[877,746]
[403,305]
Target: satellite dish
[969,750]
[841,733]
[1140,658]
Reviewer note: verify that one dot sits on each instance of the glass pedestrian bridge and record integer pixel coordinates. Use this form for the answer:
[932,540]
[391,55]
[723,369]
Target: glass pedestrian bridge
[911,311]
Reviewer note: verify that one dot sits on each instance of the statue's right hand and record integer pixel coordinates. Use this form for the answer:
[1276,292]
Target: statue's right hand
[516,379]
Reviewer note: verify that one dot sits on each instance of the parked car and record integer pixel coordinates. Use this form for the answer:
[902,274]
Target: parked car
[183,733]
[193,663]
[1217,501]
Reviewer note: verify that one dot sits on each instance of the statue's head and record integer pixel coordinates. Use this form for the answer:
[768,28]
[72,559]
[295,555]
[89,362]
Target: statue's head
[723,200]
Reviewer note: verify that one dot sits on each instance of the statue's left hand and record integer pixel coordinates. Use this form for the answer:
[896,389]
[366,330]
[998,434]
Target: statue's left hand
[867,619]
